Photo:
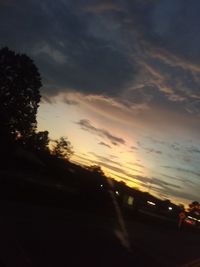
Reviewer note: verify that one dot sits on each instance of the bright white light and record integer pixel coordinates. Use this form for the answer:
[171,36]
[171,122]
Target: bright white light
[101,185]
[117,193]
[169,208]
[151,203]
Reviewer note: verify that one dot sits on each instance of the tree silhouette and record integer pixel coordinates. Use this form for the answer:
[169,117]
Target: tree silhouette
[37,141]
[62,148]
[194,207]
[96,169]
[19,95]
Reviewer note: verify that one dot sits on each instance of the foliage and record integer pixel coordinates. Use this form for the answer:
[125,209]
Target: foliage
[96,169]
[62,148]
[19,95]
[194,207]
[37,141]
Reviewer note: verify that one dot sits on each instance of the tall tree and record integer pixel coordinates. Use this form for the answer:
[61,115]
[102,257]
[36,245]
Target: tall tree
[62,148]
[19,95]
[37,141]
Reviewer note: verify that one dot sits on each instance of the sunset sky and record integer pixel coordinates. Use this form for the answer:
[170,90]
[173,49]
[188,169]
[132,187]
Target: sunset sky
[121,80]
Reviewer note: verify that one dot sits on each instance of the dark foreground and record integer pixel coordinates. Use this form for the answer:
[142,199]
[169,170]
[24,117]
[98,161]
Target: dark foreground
[44,236]
[33,235]
[50,226]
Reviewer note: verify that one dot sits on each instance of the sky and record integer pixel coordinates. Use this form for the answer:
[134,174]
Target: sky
[121,80]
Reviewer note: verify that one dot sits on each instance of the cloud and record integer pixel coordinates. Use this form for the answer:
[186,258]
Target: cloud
[87,126]
[70,101]
[177,193]
[136,164]
[134,178]
[164,184]
[175,146]
[187,171]
[111,167]
[53,53]
[134,148]
[193,107]
[156,141]
[7,3]
[67,53]
[130,41]
[104,144]
[105,159]
[46,99]
[133,169]
[102,6]
[149,150]
[165,188]
[152,150]
[183,180]
[194,150]
[158,185]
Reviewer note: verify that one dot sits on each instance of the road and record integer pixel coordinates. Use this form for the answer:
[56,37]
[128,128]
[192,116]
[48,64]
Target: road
[34,235]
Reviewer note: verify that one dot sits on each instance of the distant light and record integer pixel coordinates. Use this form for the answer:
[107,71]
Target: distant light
[151,203]
[192,218]
[130,200]
[170,208]
[101,185]
[117,193]
[189,221]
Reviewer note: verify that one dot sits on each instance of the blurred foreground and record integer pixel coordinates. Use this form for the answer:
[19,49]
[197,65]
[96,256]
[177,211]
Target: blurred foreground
[47,227]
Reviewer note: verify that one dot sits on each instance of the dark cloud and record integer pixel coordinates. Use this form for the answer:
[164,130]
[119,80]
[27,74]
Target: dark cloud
[195,150]
[47,99]
[102,6]
[87,126]
[176,23]
[105,159]
[135,164]
[133,170]
[104,144]
[152,150]
[180,179]
[149,150]
[164,187]
[113,156]
[177,193]
[164,184]
[106,47]
[187,171]
[156,181]
[69,56]
[175,146]
[140,178]
[111,167]
[70,101]
[134,148]
[156,141]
